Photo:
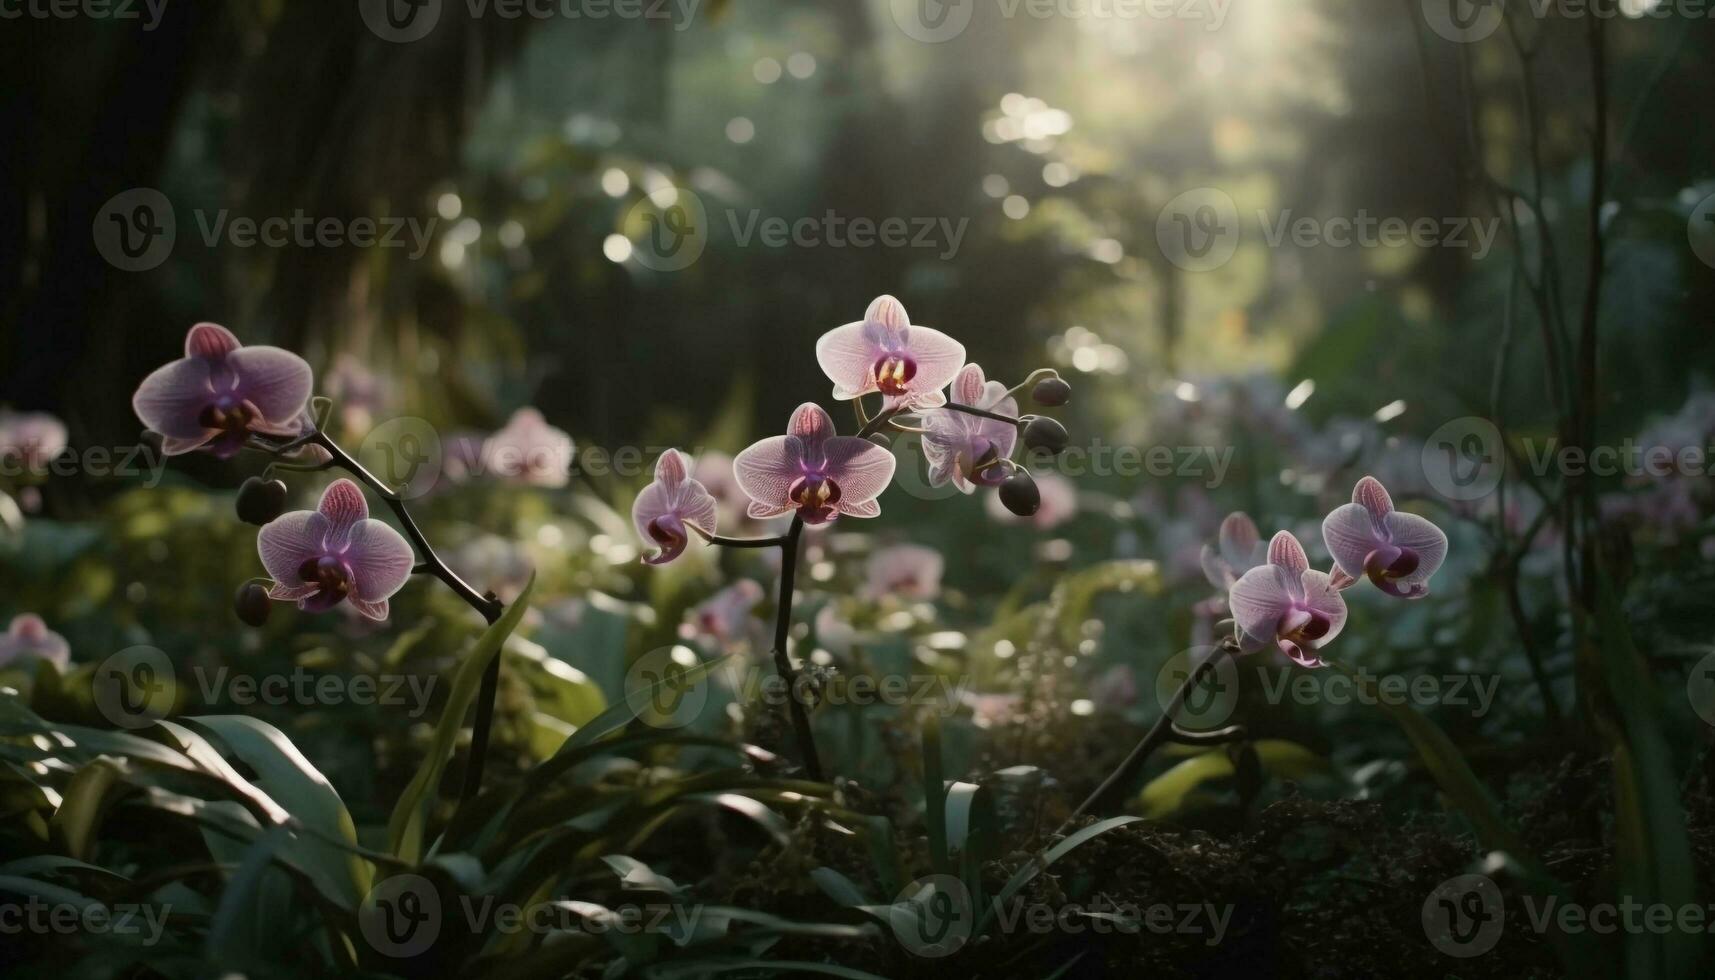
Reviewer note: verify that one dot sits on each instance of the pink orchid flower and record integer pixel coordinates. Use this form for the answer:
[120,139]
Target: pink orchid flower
[1397,551]
[221,391]
[669,506]
[336,552]
[529,451]
[1239,549]
[31,439]
[725,617]
[29,636]
[884,352]
[910,571]
[1288,603]
[965,449]
[813,471]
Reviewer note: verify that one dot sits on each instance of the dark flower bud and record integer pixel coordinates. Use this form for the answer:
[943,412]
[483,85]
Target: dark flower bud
[260,501]
[1051,392]
[1045,434]
[881,440]
[252,604]
[1018,493]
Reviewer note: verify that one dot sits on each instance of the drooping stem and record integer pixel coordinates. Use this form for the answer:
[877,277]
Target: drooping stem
[980,413]
[488,605]
[783,660]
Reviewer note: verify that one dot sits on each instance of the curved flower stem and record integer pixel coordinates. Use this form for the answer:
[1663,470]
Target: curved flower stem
[1036,376]
[783,660]
[979,413]
[487,604]
[725,542]
[1164,730]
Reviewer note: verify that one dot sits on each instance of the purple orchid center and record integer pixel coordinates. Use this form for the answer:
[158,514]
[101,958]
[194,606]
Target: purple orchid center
[232,417]
[816,497]
[1390,562]
[332,579]
[989,470]
[893,373]
[668,532]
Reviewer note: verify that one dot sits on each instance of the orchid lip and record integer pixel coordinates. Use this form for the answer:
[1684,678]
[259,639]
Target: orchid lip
[1390,562]
[331,577]
[893,374]
[816,498]
[667,532]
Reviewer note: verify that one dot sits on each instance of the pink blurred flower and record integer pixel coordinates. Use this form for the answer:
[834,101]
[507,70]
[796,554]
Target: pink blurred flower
[29,636]
[493,563]
[30,440]
[668,506]
[884,352]
[1238,550]
[1115,689]
[336,552]
[1288,603]
[530,451]
[909,571]
[1398,551]
[220,392]
[725,616]
[966,449]
[990,710]
[813,471]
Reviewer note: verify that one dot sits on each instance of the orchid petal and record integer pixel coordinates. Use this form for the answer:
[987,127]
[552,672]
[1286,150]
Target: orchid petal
[171,399]
[1351,534]
[846,355]
[814,426]
[373,609]
[1286,552]
[380,559]
[343,505]
[288,541]
[277,381]
[210,341]
[1322,595]
[767,469]
[1373,497]
[1260,597]
[1421,536]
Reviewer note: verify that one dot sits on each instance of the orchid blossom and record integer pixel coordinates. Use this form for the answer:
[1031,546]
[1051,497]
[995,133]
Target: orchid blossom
[335,553]
[885,352]
[1288,603]
[29,637]
[669,506]
[813,471]
[221,392]
[1395,550]
[1238,550]
[970,450]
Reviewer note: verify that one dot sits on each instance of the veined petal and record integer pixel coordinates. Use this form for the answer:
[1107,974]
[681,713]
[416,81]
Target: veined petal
[654,502]
[938,358]
[860,508]
[969,386]
[697,507]
[343,505]
[1421,536]
[288,541]
[766,470]
[380,560]
[846,355]
[1240,540]
[1373,497]
[1286,552]
[811,424]
[670,468]
[211,341]
[888,312]
[376,610]
[1322,595]
[861,468]
[1351,534]
[171,399]
[277,381]
[1260,598]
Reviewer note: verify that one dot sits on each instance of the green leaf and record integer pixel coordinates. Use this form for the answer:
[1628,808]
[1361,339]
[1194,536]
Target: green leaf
[635,703]
[1170,792]
[405,827]
[935,797]
[1023,876]
[87,797]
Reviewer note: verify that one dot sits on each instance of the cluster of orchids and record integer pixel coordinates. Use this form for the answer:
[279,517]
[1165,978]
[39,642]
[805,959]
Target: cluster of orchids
[1277,599]
[223,398]
[970,429]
